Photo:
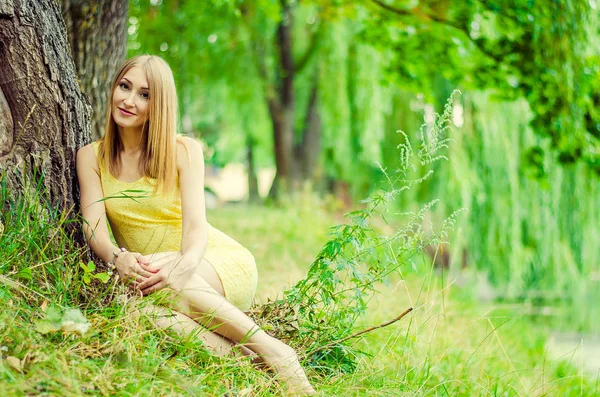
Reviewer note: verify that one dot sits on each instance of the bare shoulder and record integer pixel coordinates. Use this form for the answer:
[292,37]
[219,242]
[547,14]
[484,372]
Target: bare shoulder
[86,157]
[188,146]
[85,151]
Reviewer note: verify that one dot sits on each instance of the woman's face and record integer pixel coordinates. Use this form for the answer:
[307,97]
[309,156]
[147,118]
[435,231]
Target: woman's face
[130,99]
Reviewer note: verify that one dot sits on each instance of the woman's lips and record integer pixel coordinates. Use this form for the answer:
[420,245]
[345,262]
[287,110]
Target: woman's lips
[126,113]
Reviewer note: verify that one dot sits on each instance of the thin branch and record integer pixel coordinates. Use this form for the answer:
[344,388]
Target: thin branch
[364,331]
[310,51]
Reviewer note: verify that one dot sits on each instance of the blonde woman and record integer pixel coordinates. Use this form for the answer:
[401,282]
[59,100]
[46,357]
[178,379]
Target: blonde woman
[148,182]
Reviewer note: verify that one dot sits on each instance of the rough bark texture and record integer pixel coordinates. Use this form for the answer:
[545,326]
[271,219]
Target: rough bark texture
[44,117]
[98,38]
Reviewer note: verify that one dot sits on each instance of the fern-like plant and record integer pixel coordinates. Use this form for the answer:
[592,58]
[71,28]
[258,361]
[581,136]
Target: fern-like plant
[319,313]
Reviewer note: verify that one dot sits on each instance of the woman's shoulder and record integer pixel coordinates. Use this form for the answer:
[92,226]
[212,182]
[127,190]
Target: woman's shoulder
[90,148]
[186,141]
[88,155]
[188,148]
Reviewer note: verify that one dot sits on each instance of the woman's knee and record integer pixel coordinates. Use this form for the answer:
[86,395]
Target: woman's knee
[208,273]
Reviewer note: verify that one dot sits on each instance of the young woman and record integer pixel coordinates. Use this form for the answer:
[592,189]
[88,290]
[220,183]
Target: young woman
[149,183]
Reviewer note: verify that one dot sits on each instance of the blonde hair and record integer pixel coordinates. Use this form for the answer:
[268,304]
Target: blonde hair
[158,159]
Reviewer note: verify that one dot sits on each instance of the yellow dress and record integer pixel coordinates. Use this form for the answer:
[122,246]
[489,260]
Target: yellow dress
[147,223]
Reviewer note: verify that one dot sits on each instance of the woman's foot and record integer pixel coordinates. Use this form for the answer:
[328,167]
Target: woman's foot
[283,360]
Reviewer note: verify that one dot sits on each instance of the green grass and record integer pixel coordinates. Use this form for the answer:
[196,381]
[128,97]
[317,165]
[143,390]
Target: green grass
[448,346]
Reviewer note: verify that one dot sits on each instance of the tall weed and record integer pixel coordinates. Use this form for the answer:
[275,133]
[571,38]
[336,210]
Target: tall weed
[324,307]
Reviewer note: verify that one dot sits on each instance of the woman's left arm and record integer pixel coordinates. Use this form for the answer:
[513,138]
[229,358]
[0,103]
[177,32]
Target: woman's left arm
[175,269]
[191,179]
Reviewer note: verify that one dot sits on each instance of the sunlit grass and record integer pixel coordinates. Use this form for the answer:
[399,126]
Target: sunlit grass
[448,346]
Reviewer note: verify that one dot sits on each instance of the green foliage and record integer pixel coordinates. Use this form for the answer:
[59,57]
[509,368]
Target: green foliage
[227,66]
[535,237]
[546,53]
[37,247]
[88,273]
[341,281]
[71,320]
[448,346]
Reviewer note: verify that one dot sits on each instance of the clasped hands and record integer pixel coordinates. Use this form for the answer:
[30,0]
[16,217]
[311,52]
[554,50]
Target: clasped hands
[151,273]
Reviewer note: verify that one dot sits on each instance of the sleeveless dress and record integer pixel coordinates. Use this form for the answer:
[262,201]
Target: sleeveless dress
[147,223]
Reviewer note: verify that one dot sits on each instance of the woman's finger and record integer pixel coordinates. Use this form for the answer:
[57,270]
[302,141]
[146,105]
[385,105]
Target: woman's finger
[140,271]
[149,268]
[153,288]
[149,282]
[139,257]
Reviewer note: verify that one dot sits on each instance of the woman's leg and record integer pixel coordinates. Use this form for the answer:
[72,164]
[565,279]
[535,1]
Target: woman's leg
[165,318]
[202,299]
[202,302]
[171,319]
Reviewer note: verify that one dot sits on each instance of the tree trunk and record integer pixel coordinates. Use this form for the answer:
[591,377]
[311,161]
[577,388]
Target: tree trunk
[44,115]
[281,107]
[282,138]
[253,195]
[98,39]
[306,152]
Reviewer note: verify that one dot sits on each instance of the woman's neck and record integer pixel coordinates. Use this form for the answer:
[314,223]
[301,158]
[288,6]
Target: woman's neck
[132,140]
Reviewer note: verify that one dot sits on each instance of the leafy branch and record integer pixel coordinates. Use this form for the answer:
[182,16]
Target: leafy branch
[318,313]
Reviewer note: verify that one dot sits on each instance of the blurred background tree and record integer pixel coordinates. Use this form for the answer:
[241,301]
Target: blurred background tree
[317,89]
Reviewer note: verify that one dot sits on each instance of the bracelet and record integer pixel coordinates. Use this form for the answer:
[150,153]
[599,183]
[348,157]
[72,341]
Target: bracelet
[111,263]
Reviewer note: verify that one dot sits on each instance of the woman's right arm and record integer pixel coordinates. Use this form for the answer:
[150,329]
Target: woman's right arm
[92,205]
[131,266]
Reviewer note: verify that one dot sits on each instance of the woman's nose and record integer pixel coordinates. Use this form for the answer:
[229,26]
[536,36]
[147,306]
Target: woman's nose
[129,99]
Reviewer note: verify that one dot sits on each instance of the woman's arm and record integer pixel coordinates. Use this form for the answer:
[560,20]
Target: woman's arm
[93,211]
[191,179]
[175,268]
[92,206]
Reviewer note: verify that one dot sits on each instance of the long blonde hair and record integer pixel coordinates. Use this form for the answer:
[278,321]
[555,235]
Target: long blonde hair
[158,159]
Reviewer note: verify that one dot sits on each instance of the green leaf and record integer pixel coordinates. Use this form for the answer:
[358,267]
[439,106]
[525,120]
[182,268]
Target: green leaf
[84,267]
[51,321]
[71,321]
[44,326]
[91,266]
[24,273]
[74,321]
[53,313]
[103,277]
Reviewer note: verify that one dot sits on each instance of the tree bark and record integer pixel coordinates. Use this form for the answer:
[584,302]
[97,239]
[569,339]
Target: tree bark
[98,39]
[253,195]
[44,117]
[281,107]
[306,152]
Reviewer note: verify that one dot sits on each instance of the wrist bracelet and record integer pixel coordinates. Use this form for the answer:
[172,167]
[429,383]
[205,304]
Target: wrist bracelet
[111,263]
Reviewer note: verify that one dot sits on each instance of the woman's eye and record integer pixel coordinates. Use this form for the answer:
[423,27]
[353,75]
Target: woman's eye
[124,86]
[144,95]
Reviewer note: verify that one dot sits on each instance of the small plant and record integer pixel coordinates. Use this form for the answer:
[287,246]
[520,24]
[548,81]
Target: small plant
[88,273]
[68,321]
[319,313]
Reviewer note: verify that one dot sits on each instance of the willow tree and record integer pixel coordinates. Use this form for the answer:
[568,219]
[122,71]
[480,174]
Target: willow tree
[277,71]
[541,52]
